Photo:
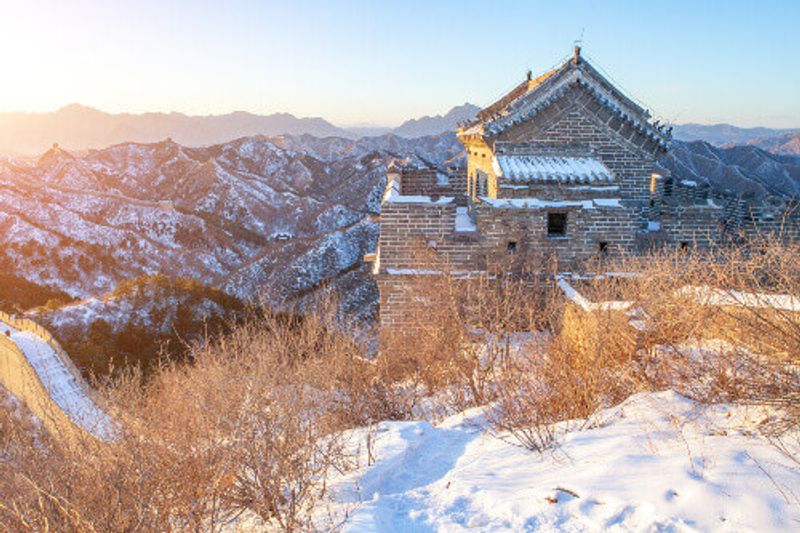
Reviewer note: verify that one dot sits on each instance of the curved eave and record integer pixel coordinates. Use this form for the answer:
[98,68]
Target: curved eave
[656,142]
[470,134]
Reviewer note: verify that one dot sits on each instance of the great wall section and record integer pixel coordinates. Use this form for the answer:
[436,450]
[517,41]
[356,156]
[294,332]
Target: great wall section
[36,370]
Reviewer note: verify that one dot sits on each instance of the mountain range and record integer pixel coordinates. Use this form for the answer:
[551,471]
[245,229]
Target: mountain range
[784,144]
[420,127]
[271,218]
[727,135]
[275,218]
[76,127]
[742,169]
[283,215]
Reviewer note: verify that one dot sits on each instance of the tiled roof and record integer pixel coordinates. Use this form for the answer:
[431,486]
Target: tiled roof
[551,169]
[521,89]
[526,101]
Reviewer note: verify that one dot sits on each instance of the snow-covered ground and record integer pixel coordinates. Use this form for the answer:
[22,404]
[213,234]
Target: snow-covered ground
[64,388]
[658,462]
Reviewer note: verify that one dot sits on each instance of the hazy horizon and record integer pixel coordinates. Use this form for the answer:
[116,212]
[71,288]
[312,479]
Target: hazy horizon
[356,125]
[361,63]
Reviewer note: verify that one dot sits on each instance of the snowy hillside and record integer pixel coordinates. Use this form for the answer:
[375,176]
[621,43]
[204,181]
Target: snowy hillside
[419,127]
[658,462]
[155,303]
[253,213]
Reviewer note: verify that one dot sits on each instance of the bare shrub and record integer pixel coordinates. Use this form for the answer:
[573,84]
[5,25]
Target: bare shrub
[745,298]
[586,365]
[722,324]
[717,325]
[249,430]
[462,328]
[251,427]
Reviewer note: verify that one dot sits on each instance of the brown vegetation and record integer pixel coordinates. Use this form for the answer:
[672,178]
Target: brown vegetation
[252,429]
[668,336]
[18,294]
[165,327]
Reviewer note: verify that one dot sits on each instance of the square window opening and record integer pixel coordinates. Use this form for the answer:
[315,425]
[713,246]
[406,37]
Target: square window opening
[556,224]
[668,187]
[602,247]
[511,247]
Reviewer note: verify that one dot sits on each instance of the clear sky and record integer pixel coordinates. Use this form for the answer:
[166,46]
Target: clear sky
[381,62]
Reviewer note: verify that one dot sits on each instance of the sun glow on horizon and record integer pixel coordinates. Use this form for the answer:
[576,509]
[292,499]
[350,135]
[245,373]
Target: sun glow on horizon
[379,64]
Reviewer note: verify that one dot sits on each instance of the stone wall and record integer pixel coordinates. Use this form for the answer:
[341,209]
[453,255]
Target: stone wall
[412,234]
[408,230]
[692,225]
[556,191]
[19,377]
[396,294]
[691,214]
[430,182]
[527,229]
[780,219]
[420,239]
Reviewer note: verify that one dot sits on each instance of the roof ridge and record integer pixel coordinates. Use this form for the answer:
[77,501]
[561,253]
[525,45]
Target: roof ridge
[533,95]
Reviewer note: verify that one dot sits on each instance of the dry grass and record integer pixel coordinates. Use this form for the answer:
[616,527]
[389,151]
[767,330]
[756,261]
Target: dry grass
[252,426]
[459,342]
[463,328]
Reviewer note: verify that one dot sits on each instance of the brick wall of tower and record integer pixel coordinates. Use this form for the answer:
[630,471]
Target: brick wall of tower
[578,118]
[557,191]
[432,182]
[396,293]
[412,231]
[527,228]
[692,225]
[418,239]
[412,234]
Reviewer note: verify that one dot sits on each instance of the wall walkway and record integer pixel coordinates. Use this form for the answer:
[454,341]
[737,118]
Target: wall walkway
[36,369]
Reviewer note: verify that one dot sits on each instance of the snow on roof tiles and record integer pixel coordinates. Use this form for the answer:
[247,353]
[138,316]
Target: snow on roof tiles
[536,203]
[526,168]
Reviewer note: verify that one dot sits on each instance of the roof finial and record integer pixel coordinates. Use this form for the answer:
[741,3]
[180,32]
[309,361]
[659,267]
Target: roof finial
[576,57]
[529,75]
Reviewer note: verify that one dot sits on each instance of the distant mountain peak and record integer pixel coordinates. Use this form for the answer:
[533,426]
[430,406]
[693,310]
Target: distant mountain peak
[466,107]
[434,125]
[784,144]
[79,127]
[76,108]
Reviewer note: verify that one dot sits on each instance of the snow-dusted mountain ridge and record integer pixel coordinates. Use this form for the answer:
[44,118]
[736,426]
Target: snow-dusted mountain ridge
[287,213]
[258,216]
